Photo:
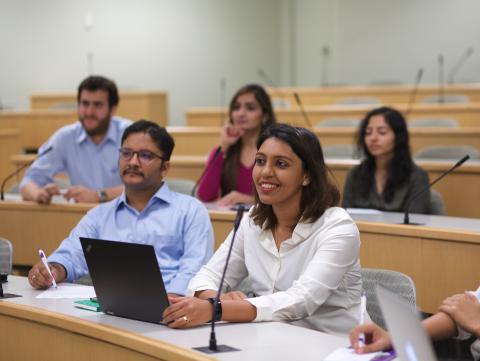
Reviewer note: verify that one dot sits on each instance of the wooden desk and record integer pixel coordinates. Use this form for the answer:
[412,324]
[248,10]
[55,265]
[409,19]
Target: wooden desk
[391,94]
[195,140]
[9,146]
[36,126]
[442,261]
[48,329]
[134,105]
[458,203]
[441,257]
[468,115]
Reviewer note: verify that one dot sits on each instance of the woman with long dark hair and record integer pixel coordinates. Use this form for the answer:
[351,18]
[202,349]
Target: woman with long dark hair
[228,176]
[299,251]
[387,178]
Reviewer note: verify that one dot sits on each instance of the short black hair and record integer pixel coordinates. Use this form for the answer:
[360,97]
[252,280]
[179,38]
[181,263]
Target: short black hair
[159,135]
[321,193]
[96,82]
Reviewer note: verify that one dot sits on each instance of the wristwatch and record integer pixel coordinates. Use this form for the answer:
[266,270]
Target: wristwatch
[102,196]
[218,311]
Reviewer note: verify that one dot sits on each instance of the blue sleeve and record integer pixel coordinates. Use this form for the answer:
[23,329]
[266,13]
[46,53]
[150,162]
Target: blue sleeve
[70,254]
[197,246]
[43,170]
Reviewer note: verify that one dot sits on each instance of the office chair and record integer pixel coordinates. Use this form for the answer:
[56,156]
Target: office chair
[396,282]
[338,123]
[358,101]
[433,122]
[6,253]
[340,151]
[180,185]
[448,98]
[447,152]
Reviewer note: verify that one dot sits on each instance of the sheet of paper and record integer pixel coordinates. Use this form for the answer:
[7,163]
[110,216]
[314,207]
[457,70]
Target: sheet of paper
[363,211]
[348,354]
[65,290]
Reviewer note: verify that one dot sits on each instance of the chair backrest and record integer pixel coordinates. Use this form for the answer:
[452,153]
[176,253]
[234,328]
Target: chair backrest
[6,253]
[433,122]
[358,101]
[339,151]
[337,123]
[437,205]
[180,185]
[396,282]
[453,152]
[447,98]
[63,106]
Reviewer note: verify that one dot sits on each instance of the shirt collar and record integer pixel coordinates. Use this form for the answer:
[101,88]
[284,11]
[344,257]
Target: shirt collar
[112,134]
[163,194]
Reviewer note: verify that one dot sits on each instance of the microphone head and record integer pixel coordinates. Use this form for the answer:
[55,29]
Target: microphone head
[461,161]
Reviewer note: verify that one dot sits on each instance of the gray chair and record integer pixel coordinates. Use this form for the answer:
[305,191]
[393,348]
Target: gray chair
[180,185]
[433,122]
[395,282]
[338,123]
[358,101]
[6,253]
[448,98]
[337,151]
[281,103]
[63,106]
[450,152]
[437,205]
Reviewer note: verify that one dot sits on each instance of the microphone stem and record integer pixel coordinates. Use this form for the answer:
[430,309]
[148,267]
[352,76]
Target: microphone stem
[2,193]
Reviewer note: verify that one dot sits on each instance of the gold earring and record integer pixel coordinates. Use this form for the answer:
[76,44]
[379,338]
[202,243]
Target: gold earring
[305,183]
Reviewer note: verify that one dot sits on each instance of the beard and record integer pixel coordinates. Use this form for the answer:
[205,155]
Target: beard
[100,129]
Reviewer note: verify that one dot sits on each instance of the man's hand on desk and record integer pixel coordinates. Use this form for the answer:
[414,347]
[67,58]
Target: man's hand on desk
[82,195]
[44,195]
[39,277]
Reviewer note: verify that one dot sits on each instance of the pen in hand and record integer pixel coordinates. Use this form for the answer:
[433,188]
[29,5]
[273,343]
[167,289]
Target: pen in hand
[44,261]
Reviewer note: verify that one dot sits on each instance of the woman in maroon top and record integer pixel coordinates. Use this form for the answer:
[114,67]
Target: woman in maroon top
[228,175]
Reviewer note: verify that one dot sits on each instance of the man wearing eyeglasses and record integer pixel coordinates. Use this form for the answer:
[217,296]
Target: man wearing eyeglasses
[147,212]
[86,151]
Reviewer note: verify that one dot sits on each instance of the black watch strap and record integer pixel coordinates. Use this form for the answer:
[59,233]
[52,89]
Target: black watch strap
[218,311]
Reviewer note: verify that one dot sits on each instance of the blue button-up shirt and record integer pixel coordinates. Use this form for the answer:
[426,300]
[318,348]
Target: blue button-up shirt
[87,164]
[177,225]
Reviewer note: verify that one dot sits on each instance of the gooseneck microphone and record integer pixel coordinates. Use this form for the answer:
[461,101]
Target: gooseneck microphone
[467,54]
[413,95]
[441,79]
[18,170]
[406,219]
[213,347]
[209,165]
[302,110]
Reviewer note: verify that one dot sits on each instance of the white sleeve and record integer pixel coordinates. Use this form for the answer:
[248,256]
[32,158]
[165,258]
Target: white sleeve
[338,251]
[209,276]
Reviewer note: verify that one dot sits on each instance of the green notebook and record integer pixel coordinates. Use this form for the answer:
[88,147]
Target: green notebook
[88,305]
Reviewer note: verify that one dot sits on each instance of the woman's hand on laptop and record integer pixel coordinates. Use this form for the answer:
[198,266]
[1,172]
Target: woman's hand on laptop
[40,278]
[377,339]
[185,312]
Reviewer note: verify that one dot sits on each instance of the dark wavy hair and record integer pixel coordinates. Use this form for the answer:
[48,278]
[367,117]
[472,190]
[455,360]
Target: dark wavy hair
[320,194]
[401,164]
[232,157]
[97,82]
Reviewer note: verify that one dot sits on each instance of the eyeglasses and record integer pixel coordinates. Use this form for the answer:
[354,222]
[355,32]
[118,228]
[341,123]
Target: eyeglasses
[144,156]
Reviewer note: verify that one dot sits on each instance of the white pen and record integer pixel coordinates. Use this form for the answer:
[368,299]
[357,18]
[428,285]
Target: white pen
[44,261]
[363,312]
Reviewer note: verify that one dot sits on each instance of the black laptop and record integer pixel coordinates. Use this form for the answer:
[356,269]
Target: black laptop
[126,278]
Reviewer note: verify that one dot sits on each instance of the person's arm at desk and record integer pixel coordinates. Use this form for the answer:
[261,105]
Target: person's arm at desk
[30,191]
[85,195]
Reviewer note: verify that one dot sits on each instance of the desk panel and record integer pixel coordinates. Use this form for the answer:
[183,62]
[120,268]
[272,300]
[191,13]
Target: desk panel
[437,257]
[387,94]
[468,115]
[151,105]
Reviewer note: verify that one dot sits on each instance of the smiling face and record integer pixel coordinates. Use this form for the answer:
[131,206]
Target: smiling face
[246,113]
[278,174]
[379,137]
[94,111]
[138,174]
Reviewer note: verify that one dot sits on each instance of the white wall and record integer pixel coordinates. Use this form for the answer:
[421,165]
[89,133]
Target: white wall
[184,46]
[377,40]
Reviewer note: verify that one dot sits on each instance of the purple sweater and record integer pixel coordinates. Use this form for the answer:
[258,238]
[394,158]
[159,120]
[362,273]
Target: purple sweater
[209,187]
